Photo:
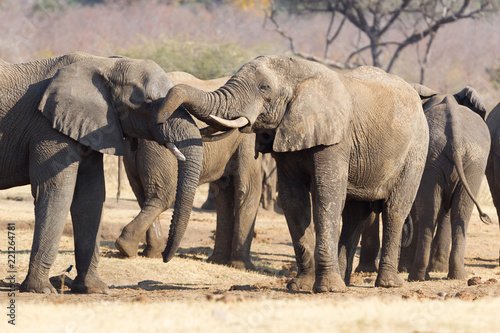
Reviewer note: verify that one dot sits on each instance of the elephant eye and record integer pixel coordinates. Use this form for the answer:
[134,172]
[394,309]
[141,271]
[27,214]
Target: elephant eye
[264,87]
[138,96]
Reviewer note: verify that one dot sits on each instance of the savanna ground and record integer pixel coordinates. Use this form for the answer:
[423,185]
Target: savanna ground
[189,294]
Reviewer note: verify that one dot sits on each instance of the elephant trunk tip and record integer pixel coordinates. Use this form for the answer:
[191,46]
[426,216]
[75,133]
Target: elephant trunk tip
[167,255]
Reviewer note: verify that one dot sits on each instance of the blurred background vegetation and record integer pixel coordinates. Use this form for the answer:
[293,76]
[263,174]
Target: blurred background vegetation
[445,44]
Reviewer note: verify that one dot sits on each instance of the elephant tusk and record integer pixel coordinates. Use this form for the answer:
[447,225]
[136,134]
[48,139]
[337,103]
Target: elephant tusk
[217,137]
[235,123]
[175,151]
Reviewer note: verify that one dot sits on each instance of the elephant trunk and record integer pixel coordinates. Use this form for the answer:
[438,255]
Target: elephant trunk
[213,108]
[183,131]
[187,181]
[198,102]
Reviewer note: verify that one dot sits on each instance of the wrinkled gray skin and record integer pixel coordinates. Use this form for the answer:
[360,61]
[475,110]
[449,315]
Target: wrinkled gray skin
[57,117]
[493,165]
[231,163]
[338,139]
[458,146]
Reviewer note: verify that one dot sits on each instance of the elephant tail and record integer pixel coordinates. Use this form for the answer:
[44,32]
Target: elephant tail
[458,162]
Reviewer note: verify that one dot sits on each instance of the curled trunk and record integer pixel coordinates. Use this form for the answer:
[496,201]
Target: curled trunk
[199,103]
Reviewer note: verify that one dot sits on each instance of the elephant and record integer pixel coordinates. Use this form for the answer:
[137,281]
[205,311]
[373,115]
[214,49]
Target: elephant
[356,139]
[458,145]
[57,117]
[231,163]
[493,165]
[269,197]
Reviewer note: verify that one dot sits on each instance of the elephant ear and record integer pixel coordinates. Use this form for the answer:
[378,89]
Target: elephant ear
[470,98]
[78,104]
[424,92]
[316,116]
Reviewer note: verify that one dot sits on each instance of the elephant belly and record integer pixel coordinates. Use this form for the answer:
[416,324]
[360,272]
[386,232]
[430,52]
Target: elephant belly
[373,178]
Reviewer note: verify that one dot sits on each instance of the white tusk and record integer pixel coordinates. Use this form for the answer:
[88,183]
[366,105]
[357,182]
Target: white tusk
[175,151]
[235,123]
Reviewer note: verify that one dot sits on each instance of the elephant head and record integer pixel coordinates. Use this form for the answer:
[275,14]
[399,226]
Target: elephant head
[100,101]
[276,95]
[281,97]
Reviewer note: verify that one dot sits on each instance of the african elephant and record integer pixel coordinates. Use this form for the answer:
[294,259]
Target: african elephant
[458,146]
[234,166]
[57,117]
[493,165]
[338,140]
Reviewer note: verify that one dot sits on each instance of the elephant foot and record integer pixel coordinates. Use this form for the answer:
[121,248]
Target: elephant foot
[242,264]
[388,279]
[457,274]
[127,247]
[366,267]
[303,281]
[91,284]
[438,266]
[329,282]
[418,275]
[219,259]
[404,267]
[41,286]
[152,251]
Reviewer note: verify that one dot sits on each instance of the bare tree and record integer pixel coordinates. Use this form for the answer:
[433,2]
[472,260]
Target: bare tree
[409,22]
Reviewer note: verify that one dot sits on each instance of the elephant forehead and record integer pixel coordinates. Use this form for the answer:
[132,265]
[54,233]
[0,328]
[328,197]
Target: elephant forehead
[145,73]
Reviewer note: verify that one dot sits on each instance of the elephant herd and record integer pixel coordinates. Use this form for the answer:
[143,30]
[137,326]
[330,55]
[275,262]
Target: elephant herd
[350,149]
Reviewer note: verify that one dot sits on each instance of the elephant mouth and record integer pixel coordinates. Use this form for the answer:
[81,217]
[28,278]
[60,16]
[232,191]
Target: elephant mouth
[163,139]
[209,134]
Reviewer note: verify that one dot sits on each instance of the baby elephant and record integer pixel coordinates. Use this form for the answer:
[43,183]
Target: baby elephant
[231,163]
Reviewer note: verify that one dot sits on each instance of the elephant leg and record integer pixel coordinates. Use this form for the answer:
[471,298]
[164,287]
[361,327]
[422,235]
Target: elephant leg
[52,185]
[155,241]
[209,204]
[223,190]
[407,255]
[355,217]
[149,173]
[86,214]
[370,244]
[395,211]
[428,210]
[128,241]
[493,177]
[461,211]
[440,247]
[248,189]
[296,204]
[328,194]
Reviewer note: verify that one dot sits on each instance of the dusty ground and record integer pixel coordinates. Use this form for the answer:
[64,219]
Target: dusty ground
[189,294]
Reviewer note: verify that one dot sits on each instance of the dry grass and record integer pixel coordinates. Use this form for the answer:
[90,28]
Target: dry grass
[355,315]
[190,295]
